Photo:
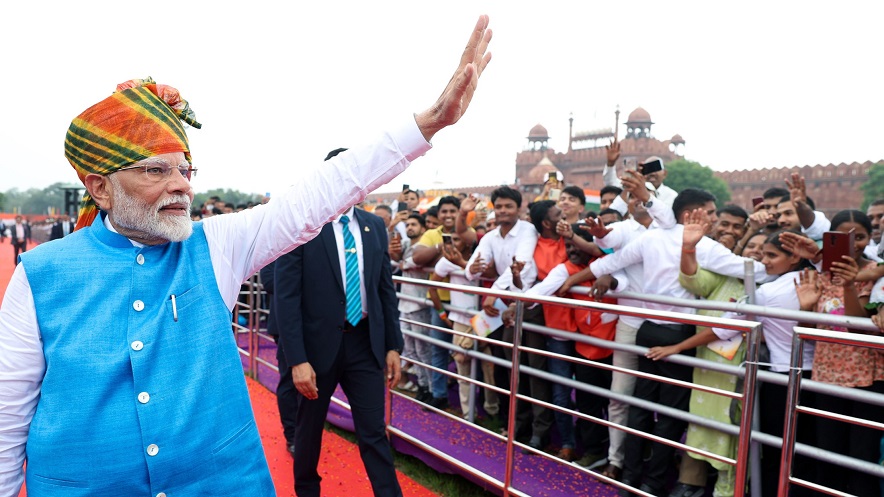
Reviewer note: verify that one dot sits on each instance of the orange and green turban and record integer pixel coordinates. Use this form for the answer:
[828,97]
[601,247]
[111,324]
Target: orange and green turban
[140,120]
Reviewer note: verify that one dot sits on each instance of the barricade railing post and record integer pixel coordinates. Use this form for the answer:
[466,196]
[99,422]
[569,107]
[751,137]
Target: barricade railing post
[753,341]
[755,412]
[513,400]
[474,374]
[789,430]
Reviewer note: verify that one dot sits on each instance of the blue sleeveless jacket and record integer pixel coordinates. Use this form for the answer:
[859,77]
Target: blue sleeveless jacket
[140,397]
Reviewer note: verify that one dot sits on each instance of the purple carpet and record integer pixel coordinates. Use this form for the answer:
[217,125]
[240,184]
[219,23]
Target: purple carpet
[533,475]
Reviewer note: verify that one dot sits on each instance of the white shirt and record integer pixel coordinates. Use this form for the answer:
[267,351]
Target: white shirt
[557,277]
[660,209]
[458,299]
[519,243]
[410,270]
[353,225]
[819,226]
[779,294]
[660,252]
[239,245]
[621,234]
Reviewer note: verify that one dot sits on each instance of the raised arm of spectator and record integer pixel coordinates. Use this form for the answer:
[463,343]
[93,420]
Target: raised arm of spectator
[812,223]
[695,228]
[461,226]
[609,173]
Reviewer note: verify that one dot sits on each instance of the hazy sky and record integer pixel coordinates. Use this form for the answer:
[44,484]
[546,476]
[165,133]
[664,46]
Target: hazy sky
[278,84]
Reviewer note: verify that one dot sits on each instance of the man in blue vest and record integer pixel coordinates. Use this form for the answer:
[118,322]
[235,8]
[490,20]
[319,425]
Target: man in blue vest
[119,374]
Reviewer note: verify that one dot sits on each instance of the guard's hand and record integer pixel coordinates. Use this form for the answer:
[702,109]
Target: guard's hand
[304,379]
[394,368]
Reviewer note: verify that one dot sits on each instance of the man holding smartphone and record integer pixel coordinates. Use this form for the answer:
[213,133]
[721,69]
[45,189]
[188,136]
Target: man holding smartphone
[653,171]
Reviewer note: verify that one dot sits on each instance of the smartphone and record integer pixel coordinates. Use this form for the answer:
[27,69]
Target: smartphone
[835,245]
[554,175]
[406,186]
[651,167]
[757,200]
[446,239]
[403,206]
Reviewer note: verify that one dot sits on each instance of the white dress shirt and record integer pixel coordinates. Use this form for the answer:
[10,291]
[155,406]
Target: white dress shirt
[779,294]
[819,226]
[557,277]
[353,225]
[660,252]
[445,268]
[621,234]
[239,245]
[500,250]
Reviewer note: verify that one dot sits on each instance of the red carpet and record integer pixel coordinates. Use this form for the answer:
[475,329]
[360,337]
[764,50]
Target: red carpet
[340,466]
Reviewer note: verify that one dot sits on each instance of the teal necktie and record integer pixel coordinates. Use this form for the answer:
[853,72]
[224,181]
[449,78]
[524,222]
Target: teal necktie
[351,261]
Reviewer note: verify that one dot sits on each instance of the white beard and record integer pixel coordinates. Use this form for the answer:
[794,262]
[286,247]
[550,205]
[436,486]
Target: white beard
[136,215]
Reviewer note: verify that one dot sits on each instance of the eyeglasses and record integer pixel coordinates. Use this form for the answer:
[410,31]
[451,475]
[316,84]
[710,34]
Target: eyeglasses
[158,171]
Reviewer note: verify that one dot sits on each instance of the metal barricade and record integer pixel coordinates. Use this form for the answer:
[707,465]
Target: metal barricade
[793,408]
[251,306]
[752,329]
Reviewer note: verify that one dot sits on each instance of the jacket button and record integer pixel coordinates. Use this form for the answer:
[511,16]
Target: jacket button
[153,450]
[138,305]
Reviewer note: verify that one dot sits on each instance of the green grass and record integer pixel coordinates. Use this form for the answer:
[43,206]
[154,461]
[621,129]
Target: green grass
[442,484]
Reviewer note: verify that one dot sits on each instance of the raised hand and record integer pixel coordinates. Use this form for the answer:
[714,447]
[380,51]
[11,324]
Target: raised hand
[797,189]
[516,267]
[469,204]
[613,152]
[809,288]
[453,255]
[759,219]
[563,229]
[634,183]
[696,225]
[478,265]
[844,272]
[455,99]
[595,227]
[800,245]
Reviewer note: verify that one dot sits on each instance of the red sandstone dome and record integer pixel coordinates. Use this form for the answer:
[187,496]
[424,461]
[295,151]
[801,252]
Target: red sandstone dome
[538,132]
[639,115]
[676,139]
[537,175]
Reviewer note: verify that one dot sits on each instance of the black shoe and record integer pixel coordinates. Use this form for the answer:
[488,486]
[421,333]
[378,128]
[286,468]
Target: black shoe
[291,448]
[440,403]
[685,490]
[423,395]
[534,444]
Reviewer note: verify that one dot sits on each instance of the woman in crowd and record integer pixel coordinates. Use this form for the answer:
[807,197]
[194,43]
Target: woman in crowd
[846,365]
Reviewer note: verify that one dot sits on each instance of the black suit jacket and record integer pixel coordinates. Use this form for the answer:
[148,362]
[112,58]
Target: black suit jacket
[57,230]
[13,233]
[310,300]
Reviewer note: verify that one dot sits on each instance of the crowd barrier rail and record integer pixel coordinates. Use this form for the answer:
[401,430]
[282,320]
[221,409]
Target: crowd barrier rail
[748,434]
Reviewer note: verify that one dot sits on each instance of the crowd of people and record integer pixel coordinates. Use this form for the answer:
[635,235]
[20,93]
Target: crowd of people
[645,239]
